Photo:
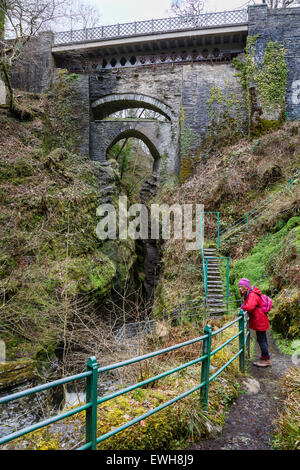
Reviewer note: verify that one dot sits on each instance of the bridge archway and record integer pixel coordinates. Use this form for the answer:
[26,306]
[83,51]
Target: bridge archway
[157,136]
[109,104]
[134,133]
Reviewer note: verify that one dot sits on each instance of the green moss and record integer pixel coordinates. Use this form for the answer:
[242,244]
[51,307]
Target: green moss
[63,114]
[15,373]
[258,266]
[2,21]
[84,274]
[265,85]
[285,316]
[15,172]
[271,78]
[226,118]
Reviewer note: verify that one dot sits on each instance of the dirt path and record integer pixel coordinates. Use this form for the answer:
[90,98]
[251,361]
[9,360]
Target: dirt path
[249,425]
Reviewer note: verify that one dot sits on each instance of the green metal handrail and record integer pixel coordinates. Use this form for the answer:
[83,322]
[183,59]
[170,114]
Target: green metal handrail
[202,247]
[248,217]
[93,371]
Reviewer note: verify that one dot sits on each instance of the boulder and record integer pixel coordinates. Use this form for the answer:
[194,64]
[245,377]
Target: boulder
[16,373]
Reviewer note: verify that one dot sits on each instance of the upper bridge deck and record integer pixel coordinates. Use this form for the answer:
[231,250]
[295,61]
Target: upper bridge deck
[184,29]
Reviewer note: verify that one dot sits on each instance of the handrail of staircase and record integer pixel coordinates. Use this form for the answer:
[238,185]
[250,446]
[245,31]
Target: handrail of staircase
[244,220]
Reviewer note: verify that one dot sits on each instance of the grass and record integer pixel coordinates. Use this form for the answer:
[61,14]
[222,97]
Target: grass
[259,265]
[287,432]
[287,346]
[170,429]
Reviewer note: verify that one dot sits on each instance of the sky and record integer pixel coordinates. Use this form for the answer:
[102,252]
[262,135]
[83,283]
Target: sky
[123,11]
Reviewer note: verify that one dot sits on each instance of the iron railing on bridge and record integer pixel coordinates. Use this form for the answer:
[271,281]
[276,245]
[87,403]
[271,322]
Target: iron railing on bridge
[93,372]
[161,25]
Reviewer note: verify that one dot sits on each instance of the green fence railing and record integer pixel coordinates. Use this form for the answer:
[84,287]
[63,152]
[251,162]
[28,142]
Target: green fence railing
[244,222]
[93,372]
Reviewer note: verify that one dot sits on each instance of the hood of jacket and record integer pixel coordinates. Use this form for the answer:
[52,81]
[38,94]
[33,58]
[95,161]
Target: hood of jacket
[254,290]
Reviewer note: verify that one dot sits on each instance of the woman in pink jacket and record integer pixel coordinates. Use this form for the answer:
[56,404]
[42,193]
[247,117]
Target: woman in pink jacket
[258,320]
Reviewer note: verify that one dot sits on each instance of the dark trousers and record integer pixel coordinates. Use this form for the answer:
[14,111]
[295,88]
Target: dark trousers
[263,343]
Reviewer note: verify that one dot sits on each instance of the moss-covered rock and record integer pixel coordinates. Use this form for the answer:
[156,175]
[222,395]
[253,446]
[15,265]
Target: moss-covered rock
[285,315]
[16,373]
[94,272]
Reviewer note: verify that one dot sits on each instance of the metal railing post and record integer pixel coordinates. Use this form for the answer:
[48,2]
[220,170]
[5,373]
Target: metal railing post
[227,286]
[218,216]
[206,350]
[205,279]
[91,397]
[242,341]
[248,338]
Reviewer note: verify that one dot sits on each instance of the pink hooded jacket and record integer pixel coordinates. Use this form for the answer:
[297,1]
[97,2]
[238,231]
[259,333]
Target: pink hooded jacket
[258,320]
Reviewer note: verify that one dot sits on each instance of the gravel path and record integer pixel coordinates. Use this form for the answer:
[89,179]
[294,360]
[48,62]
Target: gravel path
[249,425]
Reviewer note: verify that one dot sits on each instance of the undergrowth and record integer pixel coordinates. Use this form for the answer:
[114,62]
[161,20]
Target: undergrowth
[175,427]
[287,432]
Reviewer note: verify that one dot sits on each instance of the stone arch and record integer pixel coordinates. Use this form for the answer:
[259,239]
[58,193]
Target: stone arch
[157,135]
[109,104]
[148,140]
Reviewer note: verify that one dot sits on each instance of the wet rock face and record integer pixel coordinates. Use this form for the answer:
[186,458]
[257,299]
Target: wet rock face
[152,267]
[109,180]
[2,93]
[152,257]
[15,373]
[149,188]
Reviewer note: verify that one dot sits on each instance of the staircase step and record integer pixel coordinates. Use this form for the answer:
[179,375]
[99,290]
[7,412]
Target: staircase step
[216,309]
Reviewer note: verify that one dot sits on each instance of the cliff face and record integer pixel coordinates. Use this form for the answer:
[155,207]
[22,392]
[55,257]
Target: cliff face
[53,266]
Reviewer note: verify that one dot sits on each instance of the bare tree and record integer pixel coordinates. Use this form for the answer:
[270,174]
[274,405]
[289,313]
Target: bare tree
[273,4]
[188,10]
[78,14]
[187,7]
[24,20]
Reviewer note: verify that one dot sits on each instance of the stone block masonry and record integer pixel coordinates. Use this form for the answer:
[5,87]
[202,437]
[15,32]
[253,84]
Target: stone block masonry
[198,82]
[159,90]
[174,90]
[34,72]
[282,25]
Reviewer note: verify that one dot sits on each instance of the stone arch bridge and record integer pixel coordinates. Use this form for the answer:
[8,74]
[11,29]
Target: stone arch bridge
[167,65]
[156,134]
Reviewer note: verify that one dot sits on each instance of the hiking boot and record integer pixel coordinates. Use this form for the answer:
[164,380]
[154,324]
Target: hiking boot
[262,363]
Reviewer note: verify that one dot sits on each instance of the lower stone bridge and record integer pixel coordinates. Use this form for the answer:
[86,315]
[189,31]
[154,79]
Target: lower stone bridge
[155,134]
